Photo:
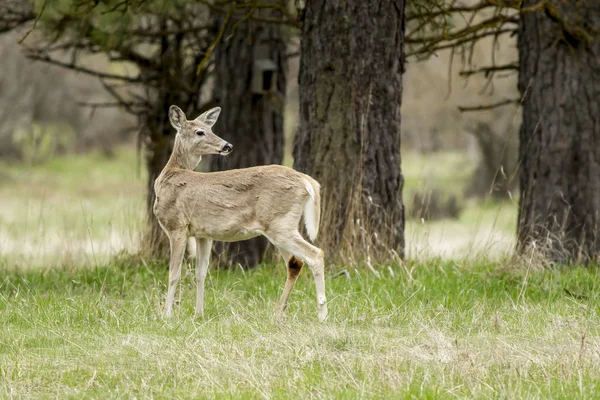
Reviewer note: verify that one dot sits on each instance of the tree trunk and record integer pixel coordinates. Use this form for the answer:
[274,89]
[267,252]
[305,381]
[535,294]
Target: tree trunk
[350,84]
[559,79]
[158,152]
[160,134]
[252,122]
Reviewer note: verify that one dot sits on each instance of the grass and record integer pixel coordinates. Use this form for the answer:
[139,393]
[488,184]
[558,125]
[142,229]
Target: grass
[452,331]
[74,209]
[80,322]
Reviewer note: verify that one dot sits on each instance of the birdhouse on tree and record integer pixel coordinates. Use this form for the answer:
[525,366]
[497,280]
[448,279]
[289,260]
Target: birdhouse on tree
[264,76]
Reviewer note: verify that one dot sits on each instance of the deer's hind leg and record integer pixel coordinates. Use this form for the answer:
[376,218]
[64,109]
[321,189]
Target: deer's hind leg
[313,257]
[294,266]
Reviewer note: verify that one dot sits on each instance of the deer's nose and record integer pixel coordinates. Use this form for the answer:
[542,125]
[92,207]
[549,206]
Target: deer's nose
[228,148]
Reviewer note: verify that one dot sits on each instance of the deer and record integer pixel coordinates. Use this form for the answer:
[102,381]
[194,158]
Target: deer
[234,205]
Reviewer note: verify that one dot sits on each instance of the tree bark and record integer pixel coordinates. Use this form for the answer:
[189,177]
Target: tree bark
[559,80]
[172,69]
[158,150]
[350,84]
[252,122]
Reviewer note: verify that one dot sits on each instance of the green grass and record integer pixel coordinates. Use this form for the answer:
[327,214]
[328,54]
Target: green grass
[452,331]
[85,324]
[72,209]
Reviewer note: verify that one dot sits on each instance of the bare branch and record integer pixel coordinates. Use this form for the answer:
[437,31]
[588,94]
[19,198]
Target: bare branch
[292,23]
[115,104]
[47,59]
[125,104]
[494,22]
[289,19]
[217,40]
[469,39]
[487,71]
[157,34]
[488,106]
[15,13]
[35,22]
[449,10]
[128,54]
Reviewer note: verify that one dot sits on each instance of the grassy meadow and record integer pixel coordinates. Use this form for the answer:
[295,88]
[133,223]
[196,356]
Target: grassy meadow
[79,209]
[449,331]
[81,317]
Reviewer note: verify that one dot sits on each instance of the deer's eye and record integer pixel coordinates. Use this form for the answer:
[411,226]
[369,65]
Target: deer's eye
[200,132]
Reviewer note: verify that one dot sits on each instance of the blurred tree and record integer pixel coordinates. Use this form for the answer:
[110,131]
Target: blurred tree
[457,26]
[250,83]
[161,52]
[497,166]
[155,47]
[350,84]
[559,81]
[36,112]
[15,13]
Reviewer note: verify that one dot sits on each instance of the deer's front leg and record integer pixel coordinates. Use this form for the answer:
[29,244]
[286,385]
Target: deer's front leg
[177,242]
[203,247]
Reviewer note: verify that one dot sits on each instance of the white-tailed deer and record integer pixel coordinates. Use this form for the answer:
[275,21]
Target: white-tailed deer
[234,205]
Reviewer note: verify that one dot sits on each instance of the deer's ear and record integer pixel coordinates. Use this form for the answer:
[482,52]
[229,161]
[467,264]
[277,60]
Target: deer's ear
[176,116]
[210,117]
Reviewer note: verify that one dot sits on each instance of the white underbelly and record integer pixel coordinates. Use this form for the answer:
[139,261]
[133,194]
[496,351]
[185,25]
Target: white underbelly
[225,235]
[236,238]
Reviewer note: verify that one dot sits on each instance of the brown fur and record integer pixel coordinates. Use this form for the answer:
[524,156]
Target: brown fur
[294,267]
[230,205]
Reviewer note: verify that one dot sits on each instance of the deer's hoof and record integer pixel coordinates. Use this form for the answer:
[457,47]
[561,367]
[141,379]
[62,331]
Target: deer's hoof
[322,311]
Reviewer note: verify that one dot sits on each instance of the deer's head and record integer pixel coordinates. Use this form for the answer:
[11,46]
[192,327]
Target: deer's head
[196,137]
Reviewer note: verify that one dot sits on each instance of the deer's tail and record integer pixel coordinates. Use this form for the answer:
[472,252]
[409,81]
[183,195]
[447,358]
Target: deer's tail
[312,208]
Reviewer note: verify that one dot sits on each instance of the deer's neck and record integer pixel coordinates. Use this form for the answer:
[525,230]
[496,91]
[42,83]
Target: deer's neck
[181,158]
